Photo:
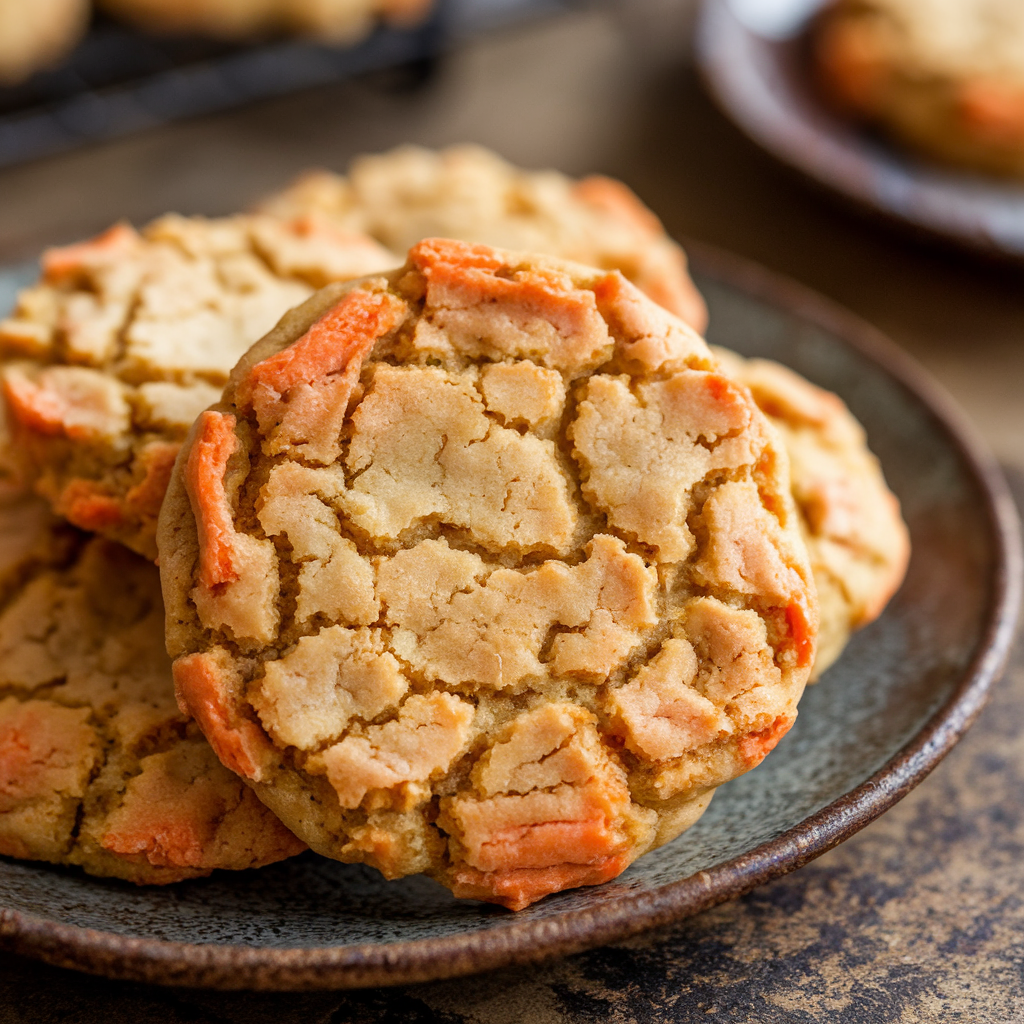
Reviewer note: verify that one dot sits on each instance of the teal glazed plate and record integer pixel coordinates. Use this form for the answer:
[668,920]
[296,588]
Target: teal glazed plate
[897,701]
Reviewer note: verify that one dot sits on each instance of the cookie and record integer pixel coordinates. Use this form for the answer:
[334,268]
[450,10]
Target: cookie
[107,361]
[470,193]
[944,76]
[337,21]
[858,544]
[98,767]
[482,569]
[36,34]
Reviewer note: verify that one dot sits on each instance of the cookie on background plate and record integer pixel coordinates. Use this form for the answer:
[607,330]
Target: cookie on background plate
[469,193]
[98,767]
[108,360]
[944,76]
[482,569]
[858,544]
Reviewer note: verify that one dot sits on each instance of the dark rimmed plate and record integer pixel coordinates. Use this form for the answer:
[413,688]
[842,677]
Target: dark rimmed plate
[900,697]
[751,55]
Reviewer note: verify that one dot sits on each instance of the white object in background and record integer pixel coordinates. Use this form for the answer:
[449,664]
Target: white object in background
[775,19]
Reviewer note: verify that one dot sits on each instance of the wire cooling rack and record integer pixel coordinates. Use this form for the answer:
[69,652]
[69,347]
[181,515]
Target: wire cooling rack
[119,80]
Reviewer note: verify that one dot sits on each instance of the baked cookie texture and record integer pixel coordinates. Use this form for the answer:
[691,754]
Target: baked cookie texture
[37,33]
[337,21]
[469,193]
[127,337]
[98,768]
[857,541]
[945,76]
[483,569]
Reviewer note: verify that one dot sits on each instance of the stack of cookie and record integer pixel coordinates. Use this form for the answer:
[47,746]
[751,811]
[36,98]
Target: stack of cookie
[483,566]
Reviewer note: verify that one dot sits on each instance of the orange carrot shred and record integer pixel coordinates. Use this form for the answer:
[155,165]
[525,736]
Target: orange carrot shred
[468,273]
[344,334]
[157,461]
[201,690]
[70,258]
[34,407]
[204,476]
[518,888]
[798,620]
[756,746]
[88,506]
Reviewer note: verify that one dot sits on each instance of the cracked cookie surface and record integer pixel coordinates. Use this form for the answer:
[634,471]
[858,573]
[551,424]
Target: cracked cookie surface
[857,541]
[466,192]
[469,193]
[129,336]
[482,569]
[98,767]
[945,76]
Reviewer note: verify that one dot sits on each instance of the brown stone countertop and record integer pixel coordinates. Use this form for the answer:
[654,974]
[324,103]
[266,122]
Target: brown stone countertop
[920,917]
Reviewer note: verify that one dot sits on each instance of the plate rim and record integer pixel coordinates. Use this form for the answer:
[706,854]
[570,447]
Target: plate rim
[226,966]
[717,24]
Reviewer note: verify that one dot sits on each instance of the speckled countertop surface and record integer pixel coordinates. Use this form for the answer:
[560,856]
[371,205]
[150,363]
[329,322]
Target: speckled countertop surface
[919,918]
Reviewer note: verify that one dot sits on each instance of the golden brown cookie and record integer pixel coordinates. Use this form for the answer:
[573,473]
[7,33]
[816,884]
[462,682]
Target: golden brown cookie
[128,337]
[856,538]
[98,767]
[482,569]
[945,76]
[37,33]
[470,193]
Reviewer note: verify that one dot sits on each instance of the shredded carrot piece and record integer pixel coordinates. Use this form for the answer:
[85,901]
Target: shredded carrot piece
[88,506]
[157,461]
[36,408]
[70,258]
[470,273]
[201,689]
[344,335]
[756,746]
[204,476]
[799,621]
[518,888]
[545,843]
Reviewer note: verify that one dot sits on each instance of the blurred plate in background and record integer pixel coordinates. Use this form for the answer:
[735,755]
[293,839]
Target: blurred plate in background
[752,57]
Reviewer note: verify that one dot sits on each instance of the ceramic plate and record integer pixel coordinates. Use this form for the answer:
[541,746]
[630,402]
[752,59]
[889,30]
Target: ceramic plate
[902,694]
[752,56]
